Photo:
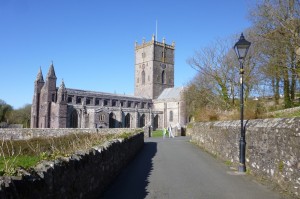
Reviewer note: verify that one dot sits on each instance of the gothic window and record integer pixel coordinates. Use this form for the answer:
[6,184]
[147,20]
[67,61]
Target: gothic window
[63,97]
[171,116]
[114,103]
[143,77]
[88,101]
[78,100]
[74,119]
[53,97]
[163,77]
[112,120]
[127,121]
[128,104]
[105,103]
[70,99]
[102,117]
[97,102]
[142,121]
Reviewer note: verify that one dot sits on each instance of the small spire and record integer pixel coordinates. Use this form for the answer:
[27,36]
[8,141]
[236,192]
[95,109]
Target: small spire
[153,37]
[51,72]
[62,85]
[164,40]
[173,43]
[39,77]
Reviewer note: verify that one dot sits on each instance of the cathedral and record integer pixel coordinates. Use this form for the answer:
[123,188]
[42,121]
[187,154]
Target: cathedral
[155,101]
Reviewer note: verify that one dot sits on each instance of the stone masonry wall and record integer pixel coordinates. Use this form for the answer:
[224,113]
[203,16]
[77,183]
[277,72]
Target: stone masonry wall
[272,150]
[86,174]
[21,134]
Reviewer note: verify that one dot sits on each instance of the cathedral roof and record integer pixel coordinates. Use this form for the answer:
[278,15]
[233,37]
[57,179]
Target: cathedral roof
[103,94]
[171,93]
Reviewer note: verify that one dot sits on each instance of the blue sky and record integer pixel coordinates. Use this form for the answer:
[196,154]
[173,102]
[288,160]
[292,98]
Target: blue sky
[91,42]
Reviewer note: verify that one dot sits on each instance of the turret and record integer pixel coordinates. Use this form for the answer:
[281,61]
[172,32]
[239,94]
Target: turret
[48,96]
[51,84]
[62,93]
[61,107]
[35,108]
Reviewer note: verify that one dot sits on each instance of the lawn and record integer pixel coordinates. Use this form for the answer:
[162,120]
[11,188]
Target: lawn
[158,133]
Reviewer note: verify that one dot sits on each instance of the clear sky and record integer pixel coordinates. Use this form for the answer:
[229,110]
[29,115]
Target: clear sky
[91,42]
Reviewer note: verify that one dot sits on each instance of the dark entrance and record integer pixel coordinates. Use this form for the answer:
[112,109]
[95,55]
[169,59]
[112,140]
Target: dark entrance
[74,119]
[127,121]
[155,123]
[112,120]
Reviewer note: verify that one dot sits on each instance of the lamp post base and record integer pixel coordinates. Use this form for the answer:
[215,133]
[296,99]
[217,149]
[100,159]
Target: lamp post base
[242,168]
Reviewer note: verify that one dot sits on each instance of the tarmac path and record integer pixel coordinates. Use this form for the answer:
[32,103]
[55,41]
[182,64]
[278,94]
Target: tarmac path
[177,169]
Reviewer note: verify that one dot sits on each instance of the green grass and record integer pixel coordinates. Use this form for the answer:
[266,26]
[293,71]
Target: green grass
[12,163]
[157,133]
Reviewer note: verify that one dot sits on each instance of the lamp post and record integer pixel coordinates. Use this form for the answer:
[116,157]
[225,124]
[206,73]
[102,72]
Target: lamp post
[241,49]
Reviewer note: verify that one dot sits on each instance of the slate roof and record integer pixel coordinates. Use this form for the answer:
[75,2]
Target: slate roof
[171,93]
[103,94]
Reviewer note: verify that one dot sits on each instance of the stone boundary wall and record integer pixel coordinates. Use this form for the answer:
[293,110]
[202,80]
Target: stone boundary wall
[24,134]
[272,150]
[86,174]
[289,110]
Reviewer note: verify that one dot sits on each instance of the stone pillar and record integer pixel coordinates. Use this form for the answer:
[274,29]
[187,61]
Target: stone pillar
[136,118]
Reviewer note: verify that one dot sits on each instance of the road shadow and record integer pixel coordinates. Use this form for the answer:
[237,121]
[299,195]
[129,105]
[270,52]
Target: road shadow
[133,180]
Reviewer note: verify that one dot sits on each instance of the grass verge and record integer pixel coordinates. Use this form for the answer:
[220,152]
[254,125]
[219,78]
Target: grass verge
[28,153]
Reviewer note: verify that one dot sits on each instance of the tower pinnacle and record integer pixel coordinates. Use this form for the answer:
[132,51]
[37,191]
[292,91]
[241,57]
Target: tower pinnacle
[39,77]
[51,72]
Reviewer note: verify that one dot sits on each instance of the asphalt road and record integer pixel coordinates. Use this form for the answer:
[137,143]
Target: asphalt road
[174,168]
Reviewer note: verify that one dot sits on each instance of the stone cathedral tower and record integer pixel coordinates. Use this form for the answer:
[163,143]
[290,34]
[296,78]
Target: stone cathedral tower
[154,68]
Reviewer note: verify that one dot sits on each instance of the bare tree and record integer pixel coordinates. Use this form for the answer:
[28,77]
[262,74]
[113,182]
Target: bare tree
[277,25]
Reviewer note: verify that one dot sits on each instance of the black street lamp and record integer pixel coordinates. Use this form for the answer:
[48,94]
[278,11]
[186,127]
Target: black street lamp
[241,49]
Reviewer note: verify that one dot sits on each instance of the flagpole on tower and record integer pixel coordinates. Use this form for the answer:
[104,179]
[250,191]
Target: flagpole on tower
[156,37]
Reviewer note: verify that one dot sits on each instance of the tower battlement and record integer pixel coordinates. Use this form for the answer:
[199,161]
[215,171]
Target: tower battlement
[153,41]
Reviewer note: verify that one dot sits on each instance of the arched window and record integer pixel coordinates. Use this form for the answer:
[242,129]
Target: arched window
[127,121]
[102,117]
[163,77]
[171,116]
[112,120]
[143,77]
[142,120]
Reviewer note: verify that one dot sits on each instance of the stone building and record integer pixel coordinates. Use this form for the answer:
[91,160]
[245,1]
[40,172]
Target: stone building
[155,102]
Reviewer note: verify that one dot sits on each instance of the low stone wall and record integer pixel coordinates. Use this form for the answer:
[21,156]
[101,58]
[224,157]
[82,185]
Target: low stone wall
[85,174]
[272,150]
[23,134]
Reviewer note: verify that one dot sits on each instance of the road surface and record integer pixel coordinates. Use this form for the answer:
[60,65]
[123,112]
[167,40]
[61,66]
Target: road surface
[177,169]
